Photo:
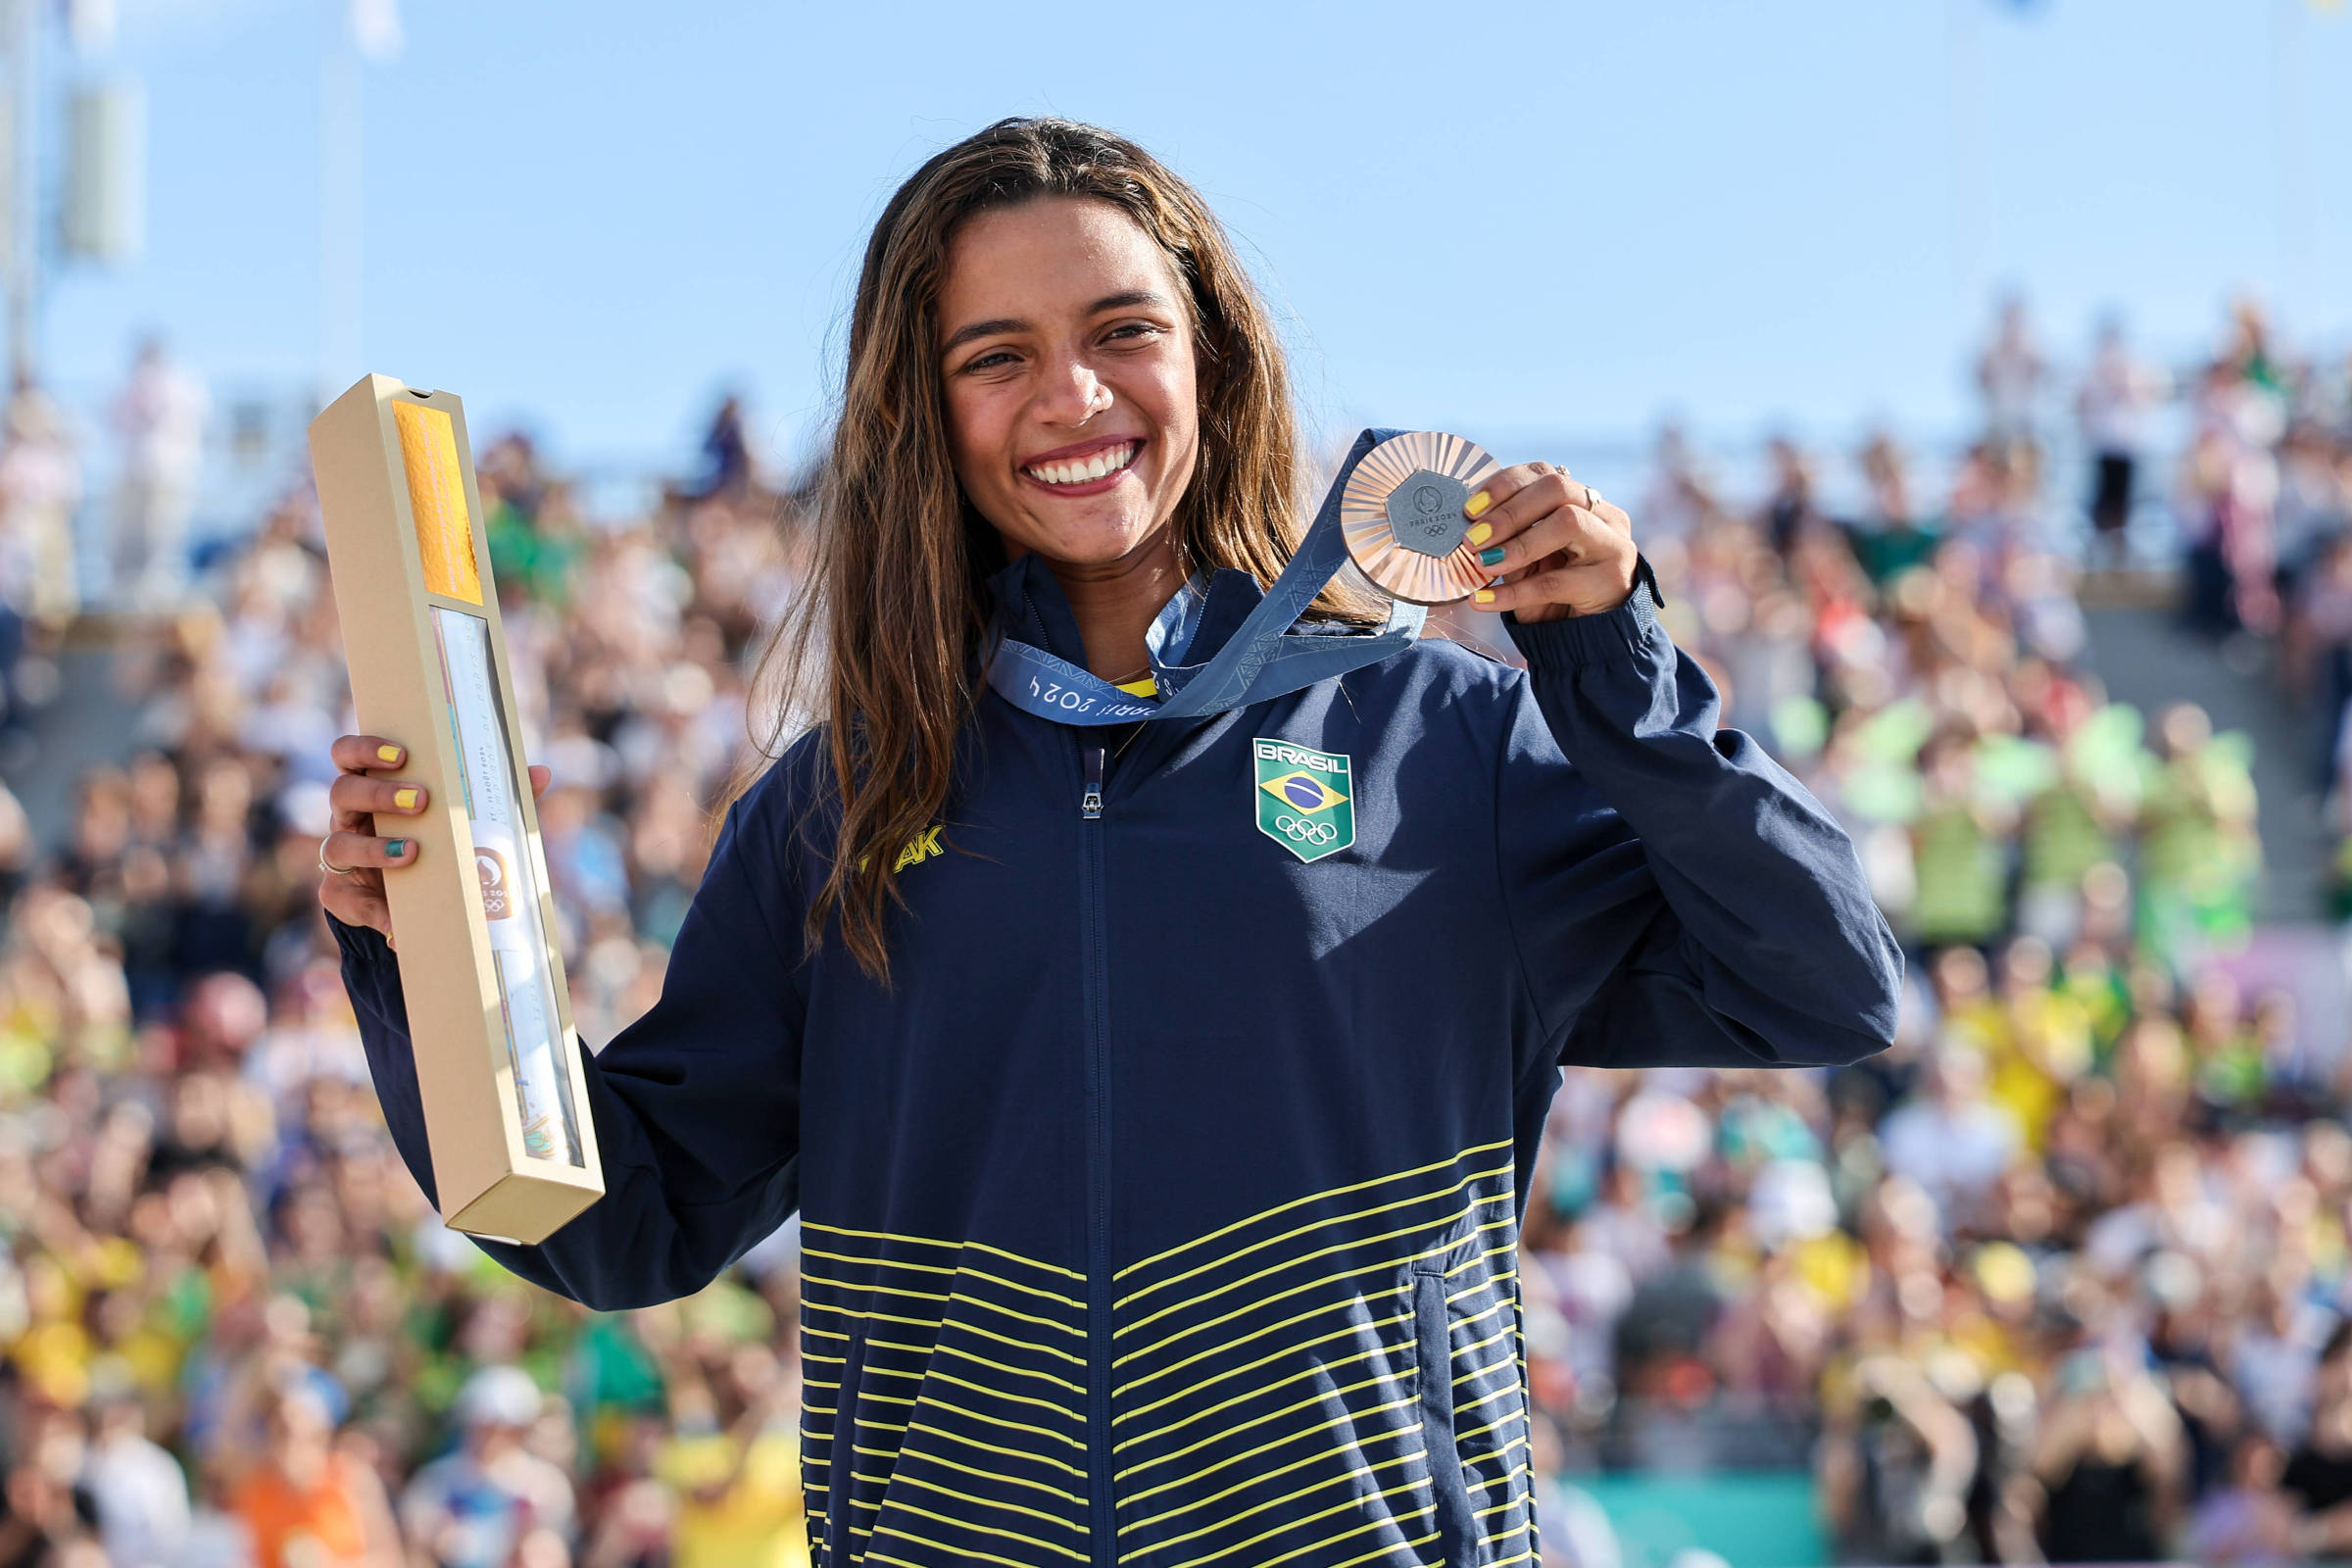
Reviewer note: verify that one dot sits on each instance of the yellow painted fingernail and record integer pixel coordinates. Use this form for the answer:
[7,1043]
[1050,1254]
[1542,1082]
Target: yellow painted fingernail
[1477,503]
[1480,533]
[1484,596]
[388,754]
[406,800]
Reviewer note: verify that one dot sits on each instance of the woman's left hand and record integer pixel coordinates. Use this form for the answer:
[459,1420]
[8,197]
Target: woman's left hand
[1560,548]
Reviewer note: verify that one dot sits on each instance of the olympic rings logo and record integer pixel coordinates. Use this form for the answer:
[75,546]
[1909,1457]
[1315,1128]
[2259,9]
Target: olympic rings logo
[1305,832]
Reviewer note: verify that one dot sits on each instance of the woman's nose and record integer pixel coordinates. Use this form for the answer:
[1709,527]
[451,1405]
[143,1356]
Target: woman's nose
[1073,395]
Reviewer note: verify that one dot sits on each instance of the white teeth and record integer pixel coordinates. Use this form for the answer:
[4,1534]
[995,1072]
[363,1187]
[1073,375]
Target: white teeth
[1108,461]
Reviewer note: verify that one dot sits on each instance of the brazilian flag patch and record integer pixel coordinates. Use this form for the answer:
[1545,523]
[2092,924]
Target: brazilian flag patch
[1304,799]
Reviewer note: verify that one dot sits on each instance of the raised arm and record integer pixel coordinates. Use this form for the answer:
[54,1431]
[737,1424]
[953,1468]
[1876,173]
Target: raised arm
[1757,941]
[1677,897]
[695,1104]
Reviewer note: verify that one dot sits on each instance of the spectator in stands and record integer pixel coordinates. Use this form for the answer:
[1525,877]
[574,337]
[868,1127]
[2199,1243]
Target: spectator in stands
[41,485]
[2011,377]
[726,453]
[1951,1140]
[1788,510]
[160,417]
[735,1469]
[2318,1478]
[2247,1521]
[2108,1465]
[1891,537]
[140,1490]
[2112,406]
[476,1508]
[307,1502]
[45,1507]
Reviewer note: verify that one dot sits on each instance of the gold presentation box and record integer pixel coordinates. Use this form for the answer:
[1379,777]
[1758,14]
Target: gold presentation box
[497,1056]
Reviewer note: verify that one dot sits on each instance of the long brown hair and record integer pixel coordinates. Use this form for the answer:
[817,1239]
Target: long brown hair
[884,648]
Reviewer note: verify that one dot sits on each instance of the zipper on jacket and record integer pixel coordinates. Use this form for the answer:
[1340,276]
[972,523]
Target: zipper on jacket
[1093,986]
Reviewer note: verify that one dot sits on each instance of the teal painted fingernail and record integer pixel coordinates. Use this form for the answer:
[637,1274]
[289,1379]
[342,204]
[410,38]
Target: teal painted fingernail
[396,848]
[1488,558]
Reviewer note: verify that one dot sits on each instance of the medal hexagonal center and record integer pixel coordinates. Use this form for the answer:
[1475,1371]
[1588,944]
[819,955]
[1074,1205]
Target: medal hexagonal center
[1425,512]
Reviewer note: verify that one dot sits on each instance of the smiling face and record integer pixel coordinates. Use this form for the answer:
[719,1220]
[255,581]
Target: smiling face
[1066,347]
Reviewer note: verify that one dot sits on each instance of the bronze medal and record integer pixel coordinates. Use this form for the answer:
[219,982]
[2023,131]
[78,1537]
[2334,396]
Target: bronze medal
[1402,517]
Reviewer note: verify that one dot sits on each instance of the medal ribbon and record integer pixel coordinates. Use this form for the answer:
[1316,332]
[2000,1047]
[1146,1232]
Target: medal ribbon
[1263,658]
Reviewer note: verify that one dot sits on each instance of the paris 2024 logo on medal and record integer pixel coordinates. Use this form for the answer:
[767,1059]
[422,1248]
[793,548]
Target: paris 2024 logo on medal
[1304,799]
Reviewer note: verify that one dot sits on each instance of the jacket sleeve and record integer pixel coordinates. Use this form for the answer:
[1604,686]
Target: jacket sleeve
[695,1103]
[1752,938]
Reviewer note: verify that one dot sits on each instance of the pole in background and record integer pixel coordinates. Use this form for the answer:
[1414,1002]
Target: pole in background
[339,216]
[104,199]
[370,33]
[2294,168]
[105,173]
[90,26]
[24,191]
[1972,162]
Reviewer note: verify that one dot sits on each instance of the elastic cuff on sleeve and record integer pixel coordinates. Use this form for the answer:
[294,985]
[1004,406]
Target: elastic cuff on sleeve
[360,943]
[1610,637]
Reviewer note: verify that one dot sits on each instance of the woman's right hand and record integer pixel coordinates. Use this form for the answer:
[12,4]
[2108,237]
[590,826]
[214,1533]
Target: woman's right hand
[356,896]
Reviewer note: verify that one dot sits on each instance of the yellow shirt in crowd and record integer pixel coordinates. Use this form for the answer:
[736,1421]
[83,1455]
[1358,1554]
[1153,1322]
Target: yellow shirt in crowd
[759,1522]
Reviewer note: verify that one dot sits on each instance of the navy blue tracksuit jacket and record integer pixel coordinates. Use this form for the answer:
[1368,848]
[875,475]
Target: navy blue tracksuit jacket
[1163,1213]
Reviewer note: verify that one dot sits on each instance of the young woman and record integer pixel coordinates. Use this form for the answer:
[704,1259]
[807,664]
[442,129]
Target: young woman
[1160,1165]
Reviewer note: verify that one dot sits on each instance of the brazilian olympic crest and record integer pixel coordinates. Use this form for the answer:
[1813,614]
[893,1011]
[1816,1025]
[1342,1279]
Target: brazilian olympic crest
[1303,797]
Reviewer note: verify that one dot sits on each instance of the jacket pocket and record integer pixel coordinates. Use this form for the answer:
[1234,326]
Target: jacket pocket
[1458,1546]
[841,1457]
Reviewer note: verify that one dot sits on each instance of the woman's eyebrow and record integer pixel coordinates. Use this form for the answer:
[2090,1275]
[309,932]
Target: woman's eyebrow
[964,335]
[1126,300]
[1130,298]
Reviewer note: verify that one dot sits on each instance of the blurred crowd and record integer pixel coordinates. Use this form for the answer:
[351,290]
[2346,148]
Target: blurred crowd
[232,1331]
[2062,1275]
[2074,1250]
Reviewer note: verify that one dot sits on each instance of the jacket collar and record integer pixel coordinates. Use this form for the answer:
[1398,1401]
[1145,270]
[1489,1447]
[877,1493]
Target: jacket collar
[1031,608]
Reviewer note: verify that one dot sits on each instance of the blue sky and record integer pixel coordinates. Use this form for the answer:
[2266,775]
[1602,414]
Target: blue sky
[1500,219]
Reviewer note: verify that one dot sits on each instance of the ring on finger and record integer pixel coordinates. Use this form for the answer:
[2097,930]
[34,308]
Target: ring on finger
[329,867]
[1592,499]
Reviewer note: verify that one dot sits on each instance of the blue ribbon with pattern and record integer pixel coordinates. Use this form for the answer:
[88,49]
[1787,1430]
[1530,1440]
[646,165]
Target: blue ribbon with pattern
[1263,659]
